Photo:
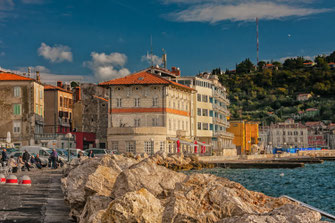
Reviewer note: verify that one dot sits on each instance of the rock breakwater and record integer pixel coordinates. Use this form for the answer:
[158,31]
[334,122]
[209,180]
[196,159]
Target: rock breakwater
[117,188]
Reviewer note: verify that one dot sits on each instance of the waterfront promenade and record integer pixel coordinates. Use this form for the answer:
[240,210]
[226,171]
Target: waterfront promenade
[41,202]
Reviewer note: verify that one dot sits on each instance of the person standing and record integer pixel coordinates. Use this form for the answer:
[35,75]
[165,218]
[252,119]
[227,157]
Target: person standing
[54,158]
[4,156]
[26,158]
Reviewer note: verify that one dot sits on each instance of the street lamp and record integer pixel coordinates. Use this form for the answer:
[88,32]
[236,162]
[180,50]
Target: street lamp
[68,136]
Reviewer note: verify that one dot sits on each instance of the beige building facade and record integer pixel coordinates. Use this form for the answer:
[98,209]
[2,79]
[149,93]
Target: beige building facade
[210,109]
[147,112]
[22,108]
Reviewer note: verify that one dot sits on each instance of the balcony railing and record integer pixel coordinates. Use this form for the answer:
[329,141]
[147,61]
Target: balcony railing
[52,136]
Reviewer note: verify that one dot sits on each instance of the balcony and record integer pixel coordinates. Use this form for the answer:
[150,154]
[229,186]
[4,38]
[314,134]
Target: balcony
[224,134]
[220,121]
[224,98]
[222,109]
[150,130]
[65,122]
[52,136]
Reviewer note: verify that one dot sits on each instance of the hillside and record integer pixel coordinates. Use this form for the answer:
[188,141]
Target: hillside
[268,92]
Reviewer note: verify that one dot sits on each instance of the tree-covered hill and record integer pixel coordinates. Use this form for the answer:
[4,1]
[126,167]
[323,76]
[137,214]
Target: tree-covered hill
[268,92]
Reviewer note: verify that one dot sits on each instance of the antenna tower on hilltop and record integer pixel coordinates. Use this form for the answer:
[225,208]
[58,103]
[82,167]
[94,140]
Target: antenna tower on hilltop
[257,31]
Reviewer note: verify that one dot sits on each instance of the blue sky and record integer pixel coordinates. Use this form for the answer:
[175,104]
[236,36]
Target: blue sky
[99,40]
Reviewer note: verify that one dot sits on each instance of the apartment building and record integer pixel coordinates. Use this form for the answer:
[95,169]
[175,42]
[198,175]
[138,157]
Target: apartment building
[148,112]
[288,134]
[210,108]
[22,108]
[90,116]
[58,108]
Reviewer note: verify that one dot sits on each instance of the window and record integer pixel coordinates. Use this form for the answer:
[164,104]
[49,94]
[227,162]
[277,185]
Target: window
[178,124]
[36,111]
[182,125]
[17,92]
[170,125]
[211,126]
[301,133]
[199,125]
[16,126]
[155,102]
[131,147]
[284,133]
[149,147]
[199,111]
[205,126]
[41,110]
[199,97]
[119,102]
[178,105]
[204,112]
[60,101]
[155,122]
[211,113]
[174,124]
[205,98]
[137,122]
[17,109]
[41,94]
[162,146]
[137,102]
[186,107]
[115,146]
[210,99]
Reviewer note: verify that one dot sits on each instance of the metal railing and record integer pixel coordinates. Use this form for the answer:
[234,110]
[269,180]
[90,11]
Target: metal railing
[323,213]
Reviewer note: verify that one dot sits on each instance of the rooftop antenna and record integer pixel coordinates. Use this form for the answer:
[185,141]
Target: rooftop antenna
[151,51]
[257,40]
[164,58]
[29,71]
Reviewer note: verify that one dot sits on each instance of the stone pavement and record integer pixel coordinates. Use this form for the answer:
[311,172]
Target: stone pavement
[42,202]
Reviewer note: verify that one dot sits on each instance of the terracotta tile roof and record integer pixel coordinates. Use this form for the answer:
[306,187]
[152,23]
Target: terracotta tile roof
[51,87]
[101,98]
[142,77]
[13,77]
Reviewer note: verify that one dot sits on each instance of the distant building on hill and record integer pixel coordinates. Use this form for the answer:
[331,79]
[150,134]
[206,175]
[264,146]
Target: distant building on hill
[317,134]
[303,97]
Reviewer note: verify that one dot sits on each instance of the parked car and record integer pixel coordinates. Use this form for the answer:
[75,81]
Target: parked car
[97,152]
[42,151]
[16,154]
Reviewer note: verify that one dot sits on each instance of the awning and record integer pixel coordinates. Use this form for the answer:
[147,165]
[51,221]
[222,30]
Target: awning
[187,143]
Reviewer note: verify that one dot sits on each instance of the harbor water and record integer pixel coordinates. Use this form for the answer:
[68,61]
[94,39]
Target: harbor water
[314,184]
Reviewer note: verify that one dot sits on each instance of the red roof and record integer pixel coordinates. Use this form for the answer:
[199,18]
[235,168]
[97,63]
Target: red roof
[13,77]
[142,77]
[309,63]
[312,109]
[51,87]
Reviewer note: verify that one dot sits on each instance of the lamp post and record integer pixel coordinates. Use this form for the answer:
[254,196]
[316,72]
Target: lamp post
[68,136]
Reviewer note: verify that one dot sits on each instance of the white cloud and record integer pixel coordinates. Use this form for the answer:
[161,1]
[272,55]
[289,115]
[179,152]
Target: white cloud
[282,60]
[6,5]
[242,12]
[156,60]
[32,1]
[55,54]
[108,66]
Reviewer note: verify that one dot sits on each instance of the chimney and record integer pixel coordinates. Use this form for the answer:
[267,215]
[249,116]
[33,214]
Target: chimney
[78,93]
[175,71]
[38,78]
[60,84]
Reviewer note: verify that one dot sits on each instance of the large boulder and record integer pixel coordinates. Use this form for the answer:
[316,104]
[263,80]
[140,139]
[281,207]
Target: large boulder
[207,198]
[137,206]
[158,180]
[285,214]
[92,176]
[94,204]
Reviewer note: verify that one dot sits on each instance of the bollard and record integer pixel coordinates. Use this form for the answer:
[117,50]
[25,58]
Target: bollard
[2,179]
[25,181]
[11,180]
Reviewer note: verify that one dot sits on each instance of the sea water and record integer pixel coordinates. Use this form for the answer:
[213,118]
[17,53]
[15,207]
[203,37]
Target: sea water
[313,184]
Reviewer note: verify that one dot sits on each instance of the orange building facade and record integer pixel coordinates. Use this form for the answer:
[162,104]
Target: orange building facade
[245,135]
